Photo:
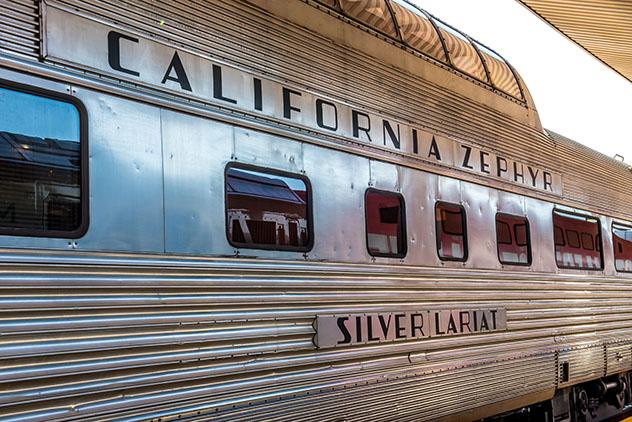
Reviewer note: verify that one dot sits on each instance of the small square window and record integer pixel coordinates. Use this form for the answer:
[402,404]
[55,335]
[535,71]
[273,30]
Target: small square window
[512,237]
[267,209]
[385,224]
[451,232]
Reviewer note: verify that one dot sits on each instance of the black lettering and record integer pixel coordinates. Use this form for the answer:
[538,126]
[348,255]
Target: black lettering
[8,214]
[415,142]
[548,182]
[493,312]
[385,326]
[475,321]
[319,115]
[484,323]
[369,329]
[218,86]
[387,128]
[434,149]
[343,329]
[518,174]
[114,51]
[466,159]
[398,326]
[356,124]
[438,324]
[181,76]
[451,325]
[484,164]
[462,321]
[258,94]
[288,108]
[414,327]
[534,176]
[358,329]
[501,169]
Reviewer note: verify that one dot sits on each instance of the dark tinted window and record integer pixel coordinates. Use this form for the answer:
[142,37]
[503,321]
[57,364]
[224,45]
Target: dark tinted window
[451,234]
[558,236]
[267,209]
[580,248]
[512,236]
[385,230]
[40,165]
[588,242]
[622,239]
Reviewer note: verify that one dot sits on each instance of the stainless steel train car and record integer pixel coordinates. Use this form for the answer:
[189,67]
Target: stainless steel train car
[332,210]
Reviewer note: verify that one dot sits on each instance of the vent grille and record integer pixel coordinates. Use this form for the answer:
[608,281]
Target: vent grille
[20,27]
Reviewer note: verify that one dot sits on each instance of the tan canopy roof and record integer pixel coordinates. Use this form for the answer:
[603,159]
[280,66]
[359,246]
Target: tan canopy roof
[602,27]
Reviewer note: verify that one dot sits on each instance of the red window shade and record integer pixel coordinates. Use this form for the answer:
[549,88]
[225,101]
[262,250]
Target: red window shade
[385,228]
[451,234]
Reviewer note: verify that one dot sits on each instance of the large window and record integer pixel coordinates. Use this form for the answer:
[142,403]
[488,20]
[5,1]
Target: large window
[385,228]
[622,243]
[267,209]
[512,237]
[451,232]
[577,241]
[41,164]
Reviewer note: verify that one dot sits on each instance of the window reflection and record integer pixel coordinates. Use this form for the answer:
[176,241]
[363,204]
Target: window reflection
[622,239]
[384,223]
[40,164]
[577,241]
[512,236]
[451,236]
[266,210]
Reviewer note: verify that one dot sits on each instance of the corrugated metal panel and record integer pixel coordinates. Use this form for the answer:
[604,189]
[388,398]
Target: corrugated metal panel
[106,335]
[603,27]
[19,27]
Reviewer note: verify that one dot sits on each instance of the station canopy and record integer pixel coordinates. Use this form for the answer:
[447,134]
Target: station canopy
[602,27]
[425,34]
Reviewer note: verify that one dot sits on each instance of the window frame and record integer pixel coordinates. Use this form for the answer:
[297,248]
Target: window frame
[598,237]
[84,180]
[272,172]
[466,252]
[614,249]
[514,238]
[402,202]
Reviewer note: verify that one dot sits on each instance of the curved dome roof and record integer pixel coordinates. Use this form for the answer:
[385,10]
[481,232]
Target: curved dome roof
[422,32]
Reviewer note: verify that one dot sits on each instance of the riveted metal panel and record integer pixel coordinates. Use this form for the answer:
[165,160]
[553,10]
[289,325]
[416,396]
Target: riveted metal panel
[196,152]
[584,364]
[618,358]
[339,182]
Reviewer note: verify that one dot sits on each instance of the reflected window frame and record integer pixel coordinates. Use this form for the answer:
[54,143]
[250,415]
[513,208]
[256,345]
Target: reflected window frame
[402,215]
[589,218]
[617,225]
[464,235]
[514,238]
[272,172]
[84,196]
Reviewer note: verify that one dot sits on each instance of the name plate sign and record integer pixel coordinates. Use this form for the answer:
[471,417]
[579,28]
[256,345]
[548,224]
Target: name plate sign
[350,329]
[137,58]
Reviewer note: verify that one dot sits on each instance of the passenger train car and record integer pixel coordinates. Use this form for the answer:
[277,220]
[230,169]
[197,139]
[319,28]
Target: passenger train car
[332,210]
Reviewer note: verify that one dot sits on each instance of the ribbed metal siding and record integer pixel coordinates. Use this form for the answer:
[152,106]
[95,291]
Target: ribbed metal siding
[112,335]
[19,27]
[239,33]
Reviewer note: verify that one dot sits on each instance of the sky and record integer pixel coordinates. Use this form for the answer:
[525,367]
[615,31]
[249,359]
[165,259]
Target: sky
[576,95]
